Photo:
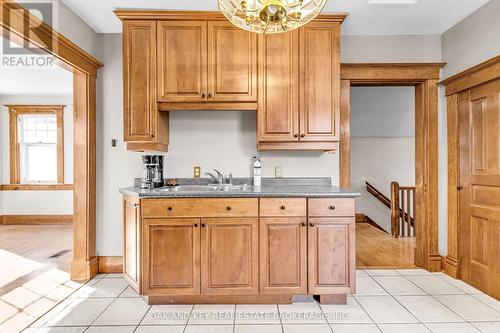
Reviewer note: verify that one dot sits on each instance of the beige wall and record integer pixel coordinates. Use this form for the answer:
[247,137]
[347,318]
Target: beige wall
[473,40]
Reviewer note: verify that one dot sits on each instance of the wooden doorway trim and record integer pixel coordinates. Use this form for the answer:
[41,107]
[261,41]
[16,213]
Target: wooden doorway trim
[424,77]
[465,80]
[14,19]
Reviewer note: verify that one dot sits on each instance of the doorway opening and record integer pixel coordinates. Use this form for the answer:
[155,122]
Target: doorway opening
[382,125]
[423,78]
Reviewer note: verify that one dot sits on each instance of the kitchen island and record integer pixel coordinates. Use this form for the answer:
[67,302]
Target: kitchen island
[200,244]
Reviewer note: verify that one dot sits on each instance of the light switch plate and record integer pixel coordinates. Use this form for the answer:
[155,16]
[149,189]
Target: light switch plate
[196,172]
[278,171]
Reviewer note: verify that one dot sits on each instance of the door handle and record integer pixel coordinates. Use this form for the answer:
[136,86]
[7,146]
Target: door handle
[460,188]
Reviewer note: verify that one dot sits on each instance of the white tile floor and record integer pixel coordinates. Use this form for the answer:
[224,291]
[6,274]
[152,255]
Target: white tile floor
[387,301]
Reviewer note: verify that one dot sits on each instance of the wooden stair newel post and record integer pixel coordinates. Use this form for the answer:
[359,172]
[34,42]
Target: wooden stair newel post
[395,209]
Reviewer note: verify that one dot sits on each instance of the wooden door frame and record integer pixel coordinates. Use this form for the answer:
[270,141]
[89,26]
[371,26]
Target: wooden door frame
[13,22]
[472,77]
[424,77]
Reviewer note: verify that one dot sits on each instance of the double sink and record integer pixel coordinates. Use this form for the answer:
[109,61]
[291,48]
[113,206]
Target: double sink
[207,188]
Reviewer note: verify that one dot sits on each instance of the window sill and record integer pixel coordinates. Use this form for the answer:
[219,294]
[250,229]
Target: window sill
[36,187]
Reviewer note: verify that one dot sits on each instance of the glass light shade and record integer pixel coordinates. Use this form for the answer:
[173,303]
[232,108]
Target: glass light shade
[270,16]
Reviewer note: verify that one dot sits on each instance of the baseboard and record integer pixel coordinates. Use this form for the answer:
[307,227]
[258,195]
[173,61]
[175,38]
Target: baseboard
[110,264]
[84,270]
[449,265]
[36,219]
[434,263]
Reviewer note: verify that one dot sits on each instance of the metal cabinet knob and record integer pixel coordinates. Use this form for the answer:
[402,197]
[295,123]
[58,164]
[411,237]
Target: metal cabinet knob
[302,135]
[169,208]
[209,95]
[228,208]
[282,207]
[304,224]
[311,224]
[296,135]
[196,225]
[203,95]
[332,207]
[203,225]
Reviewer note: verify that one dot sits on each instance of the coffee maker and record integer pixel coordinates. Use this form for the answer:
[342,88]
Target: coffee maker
[152,176]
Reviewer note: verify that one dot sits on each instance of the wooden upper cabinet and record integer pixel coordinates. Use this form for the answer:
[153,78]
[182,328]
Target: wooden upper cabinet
[232,63]
[320,81]
[229,256]
[182,61]
[278,106]
[139,78]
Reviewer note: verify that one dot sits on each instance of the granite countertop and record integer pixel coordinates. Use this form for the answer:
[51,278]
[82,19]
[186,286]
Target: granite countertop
[318,187]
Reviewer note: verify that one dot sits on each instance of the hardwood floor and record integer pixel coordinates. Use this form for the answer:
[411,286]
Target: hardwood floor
[35,272]
[376,249]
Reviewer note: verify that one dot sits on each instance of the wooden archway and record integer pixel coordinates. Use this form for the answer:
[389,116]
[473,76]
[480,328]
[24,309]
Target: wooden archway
[424,77]
[14,21]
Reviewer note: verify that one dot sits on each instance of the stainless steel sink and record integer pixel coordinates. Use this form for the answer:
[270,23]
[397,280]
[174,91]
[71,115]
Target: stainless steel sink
[206,188]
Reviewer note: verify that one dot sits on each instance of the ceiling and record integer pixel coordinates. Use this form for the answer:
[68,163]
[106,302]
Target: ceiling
[365,16]
[32,80]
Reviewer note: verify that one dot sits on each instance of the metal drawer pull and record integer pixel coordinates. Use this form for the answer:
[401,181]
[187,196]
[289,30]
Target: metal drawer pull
[169,208]
[332,207]
[282,207]
[228,207]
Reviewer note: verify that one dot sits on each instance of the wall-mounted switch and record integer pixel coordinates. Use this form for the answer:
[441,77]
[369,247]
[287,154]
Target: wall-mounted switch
[278,171]
[114,142]
[197,172]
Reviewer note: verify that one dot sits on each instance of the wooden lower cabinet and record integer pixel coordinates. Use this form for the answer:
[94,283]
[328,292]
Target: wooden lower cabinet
[264,257]
[331,255]
[229,256]
[172,256]
[131,241]
[283,255]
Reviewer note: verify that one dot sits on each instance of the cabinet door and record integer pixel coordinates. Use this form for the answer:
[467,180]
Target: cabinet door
[331,255]
[182,61]
[283,253]
[229,256]
[232,63]
[278,110]
[131,241]
[320,83]
[139,80]
[172,256]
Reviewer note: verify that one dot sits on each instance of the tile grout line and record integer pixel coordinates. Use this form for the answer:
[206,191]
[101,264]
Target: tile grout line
[187,321]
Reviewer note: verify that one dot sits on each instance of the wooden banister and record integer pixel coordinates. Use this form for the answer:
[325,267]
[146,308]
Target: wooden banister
[402,206]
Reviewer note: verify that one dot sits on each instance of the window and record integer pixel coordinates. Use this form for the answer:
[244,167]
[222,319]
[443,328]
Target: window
[36,144]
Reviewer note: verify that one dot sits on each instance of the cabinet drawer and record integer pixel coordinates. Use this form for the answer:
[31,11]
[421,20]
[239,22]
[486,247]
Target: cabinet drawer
[283,207]
[331,207]
[159,208]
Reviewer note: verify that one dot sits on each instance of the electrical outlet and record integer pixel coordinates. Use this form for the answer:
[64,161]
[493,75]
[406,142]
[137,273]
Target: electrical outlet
[197,172]
[114,142]
[278,171]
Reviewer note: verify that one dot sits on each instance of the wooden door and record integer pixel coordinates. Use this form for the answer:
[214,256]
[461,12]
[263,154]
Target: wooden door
[283,255]
[182,61]
[232,63]
[171,256]
[131,241]
[331,254]
[229,256]
[479,252]
[278,105]
[139,80]
[319,81]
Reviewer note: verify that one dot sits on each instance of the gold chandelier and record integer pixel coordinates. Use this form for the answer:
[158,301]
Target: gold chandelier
[270,16]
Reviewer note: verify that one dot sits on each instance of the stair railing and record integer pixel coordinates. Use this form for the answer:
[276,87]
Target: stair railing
[402,210]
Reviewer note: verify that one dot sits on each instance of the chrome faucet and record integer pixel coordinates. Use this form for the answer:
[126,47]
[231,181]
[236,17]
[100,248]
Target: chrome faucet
[220,177]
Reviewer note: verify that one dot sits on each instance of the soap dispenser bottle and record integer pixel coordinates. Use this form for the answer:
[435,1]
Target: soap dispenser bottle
[257,170]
